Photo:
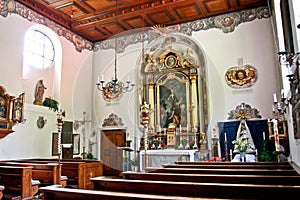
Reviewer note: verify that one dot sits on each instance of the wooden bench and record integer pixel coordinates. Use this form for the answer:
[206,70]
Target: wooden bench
[227,166]
[78,172]
[1,191]
[17,181]
[55,193]
[214,178]
[46,173]
[275,172]
[192,189]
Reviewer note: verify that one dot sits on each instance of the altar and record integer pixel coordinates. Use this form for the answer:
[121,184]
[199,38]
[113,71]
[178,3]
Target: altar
[157,158]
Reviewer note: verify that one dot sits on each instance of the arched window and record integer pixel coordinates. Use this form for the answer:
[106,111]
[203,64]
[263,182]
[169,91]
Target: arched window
[38,49]
[42,58]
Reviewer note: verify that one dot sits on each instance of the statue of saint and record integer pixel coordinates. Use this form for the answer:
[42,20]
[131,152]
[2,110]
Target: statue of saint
[39,93]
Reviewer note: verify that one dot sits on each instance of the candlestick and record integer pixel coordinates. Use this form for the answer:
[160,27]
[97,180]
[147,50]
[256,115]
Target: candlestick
[275,98]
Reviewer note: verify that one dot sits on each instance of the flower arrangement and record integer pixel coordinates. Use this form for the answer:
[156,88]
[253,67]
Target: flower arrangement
[241,144]
[216,159]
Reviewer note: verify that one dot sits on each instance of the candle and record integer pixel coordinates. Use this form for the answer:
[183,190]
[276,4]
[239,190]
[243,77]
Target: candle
[275,98]
[59,108]
[279,106]
[230,152]
[180,128]
[225,137]
[165,131]
[264,136]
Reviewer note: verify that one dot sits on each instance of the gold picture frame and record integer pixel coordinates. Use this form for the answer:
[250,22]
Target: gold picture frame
[282,129]
[171,140]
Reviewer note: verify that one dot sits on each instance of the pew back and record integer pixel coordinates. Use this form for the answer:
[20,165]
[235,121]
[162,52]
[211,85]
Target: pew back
[17,181]
[214,178]
[192,189]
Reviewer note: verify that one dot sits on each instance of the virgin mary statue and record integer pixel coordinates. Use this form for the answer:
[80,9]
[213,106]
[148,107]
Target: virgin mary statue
[243,133]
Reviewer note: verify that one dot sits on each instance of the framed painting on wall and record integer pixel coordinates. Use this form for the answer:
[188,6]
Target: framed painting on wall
[54,144]
[76,144]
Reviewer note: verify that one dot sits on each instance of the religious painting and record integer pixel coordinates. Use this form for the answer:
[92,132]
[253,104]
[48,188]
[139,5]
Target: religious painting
[18,105]
[172,97]
[54,144]
[76,144]
[171,140]
[282,129]
[241,77]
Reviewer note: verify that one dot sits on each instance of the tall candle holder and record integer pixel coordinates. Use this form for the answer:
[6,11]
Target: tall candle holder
[146,111]
[59,130]
[226,149]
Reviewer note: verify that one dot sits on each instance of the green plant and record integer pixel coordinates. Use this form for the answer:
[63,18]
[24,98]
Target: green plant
[134,162]
[88,156]
[51,103]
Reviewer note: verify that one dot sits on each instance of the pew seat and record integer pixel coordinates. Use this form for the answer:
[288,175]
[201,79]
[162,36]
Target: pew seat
[277,172]
[214,178]
[56,193]
[192,189]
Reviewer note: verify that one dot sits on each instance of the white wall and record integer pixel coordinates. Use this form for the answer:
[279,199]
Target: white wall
[75,93]
[252,41]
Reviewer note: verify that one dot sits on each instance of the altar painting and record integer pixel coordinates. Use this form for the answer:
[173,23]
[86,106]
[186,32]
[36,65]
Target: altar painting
[173,93]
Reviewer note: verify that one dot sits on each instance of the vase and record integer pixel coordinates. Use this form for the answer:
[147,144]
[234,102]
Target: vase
[243,157]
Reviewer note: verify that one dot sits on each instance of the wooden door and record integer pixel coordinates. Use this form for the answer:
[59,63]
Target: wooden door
[111,156]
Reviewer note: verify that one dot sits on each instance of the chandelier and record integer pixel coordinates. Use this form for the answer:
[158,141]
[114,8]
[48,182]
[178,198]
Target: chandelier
[114,88]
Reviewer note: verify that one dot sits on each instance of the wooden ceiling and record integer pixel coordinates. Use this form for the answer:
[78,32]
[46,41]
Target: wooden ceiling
[97,20]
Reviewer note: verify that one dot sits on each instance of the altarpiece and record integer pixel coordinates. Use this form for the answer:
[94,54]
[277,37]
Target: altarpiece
[172,84]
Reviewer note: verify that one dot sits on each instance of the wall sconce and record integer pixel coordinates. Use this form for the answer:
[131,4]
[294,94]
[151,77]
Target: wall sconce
[279,108]
[292,62]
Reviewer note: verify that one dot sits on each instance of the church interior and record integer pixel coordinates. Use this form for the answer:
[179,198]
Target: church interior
[149,99]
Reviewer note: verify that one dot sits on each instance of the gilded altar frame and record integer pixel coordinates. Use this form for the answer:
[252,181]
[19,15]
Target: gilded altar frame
[173,83]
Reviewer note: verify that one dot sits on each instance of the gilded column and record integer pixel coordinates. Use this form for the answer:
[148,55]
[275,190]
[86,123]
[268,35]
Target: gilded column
[194,101]
[151,103]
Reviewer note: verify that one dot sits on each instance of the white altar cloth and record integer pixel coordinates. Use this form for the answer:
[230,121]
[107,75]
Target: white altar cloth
[249,158]
[157,158]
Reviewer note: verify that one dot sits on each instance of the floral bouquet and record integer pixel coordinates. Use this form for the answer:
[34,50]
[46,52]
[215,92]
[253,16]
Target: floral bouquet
[241,144]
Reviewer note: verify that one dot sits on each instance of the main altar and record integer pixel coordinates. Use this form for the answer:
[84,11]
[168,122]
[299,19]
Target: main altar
[173,103]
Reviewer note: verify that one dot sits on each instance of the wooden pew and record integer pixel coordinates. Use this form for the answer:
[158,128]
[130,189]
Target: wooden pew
[275,172]
[192,189]
[17,181]
[78,172]
[1,191]
[227,166]
[234,163]
[55,193]
[46,173]
[214,178]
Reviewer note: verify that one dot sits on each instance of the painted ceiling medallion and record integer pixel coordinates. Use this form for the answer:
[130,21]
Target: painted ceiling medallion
[241,77]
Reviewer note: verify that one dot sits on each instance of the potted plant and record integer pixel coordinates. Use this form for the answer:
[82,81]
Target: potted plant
[51,103]
[134,164]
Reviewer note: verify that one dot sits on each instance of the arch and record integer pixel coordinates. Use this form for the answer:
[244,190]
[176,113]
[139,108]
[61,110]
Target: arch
[51,76]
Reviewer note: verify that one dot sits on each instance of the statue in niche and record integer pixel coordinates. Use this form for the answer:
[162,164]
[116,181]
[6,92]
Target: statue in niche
[39,92]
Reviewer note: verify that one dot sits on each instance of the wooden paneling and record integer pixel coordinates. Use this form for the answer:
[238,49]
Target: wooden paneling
[92,19]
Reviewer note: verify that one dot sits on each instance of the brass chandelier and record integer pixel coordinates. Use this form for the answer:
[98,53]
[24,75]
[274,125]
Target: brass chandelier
[114,88]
